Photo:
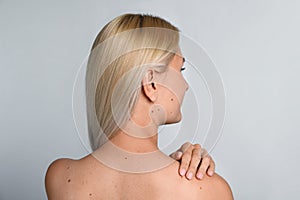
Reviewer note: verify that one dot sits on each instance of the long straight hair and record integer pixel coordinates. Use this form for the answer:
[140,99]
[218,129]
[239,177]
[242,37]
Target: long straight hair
[121,53]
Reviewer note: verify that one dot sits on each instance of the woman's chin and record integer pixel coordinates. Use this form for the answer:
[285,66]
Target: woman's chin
[174,119]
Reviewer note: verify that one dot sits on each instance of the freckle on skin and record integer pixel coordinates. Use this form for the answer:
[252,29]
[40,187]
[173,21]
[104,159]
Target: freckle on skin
[152,111]
[90,194]
[69,180]
[126,158]
[68,167]
[172,99]
[157,109]
[200,188]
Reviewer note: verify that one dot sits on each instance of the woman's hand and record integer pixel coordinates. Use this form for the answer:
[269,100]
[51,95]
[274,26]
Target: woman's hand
[193,158]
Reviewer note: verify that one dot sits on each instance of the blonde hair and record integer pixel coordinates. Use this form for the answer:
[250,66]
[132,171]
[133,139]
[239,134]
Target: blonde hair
[121,53]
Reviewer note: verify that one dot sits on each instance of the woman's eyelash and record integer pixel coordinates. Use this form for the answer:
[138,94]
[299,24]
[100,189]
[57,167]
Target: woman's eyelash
[183,68]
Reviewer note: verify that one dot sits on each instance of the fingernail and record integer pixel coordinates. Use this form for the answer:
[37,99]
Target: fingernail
[178,154]
[182,172]
[200,175]
[190,175]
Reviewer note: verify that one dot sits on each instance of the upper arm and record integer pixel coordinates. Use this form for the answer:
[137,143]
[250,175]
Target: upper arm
[55,179]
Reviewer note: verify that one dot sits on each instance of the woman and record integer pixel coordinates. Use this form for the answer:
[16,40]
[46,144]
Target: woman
[133,85]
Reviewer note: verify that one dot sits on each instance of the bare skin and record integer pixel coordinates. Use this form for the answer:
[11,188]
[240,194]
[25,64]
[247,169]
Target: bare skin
[88,178]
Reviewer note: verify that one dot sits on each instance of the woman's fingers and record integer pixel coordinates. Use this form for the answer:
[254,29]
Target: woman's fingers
[211,168]
[190,159]
[207,165]
[177,155]
[186,148]
[195,161]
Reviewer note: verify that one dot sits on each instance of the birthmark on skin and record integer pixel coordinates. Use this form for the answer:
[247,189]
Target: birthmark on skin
[69,180]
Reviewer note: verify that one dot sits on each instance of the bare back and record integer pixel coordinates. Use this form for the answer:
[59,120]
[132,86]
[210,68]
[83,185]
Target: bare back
[88,178]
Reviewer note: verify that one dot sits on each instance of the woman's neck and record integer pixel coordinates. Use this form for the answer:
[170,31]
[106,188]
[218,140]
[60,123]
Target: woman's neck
[125,153]
[139,133]
[137,141]
[133,149]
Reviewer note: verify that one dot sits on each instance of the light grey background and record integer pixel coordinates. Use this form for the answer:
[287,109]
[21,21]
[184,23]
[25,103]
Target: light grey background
[255,45]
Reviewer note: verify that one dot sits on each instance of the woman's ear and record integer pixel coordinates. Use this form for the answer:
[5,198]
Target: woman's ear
[149,86]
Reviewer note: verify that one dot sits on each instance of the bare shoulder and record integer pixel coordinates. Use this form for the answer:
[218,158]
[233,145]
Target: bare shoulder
[215,187]
[56,179]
